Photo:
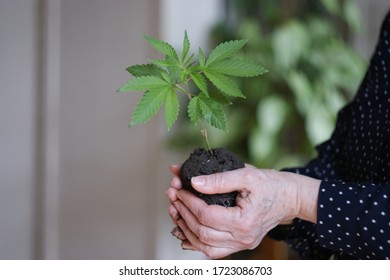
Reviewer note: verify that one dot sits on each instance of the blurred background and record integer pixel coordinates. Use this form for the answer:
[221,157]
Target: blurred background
[77,183]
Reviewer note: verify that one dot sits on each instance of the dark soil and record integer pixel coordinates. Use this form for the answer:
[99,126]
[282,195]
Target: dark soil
[202,162]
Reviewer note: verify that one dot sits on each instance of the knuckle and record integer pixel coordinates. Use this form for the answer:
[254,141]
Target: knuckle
[249,242]
[203,235]
[253,246]
[203,217]
[248,174]
[246,228]
[218,180]
[248,236]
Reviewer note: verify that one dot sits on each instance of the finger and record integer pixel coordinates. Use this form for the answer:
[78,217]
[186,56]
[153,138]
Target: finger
[214,216]
[193,243]
[224,182]
[173,213]
[192,239]
[186,245]
[175,169]
[176,183]
[247,165]
[178,233]
[205,234]
[171,193]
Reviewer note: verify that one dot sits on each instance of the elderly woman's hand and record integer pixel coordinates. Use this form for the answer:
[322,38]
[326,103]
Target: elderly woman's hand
[265,199]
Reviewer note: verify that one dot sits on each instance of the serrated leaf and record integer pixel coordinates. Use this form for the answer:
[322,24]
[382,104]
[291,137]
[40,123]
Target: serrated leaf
[220,98]
[186,47]
[189,61]
[225,50]
[202,59]
[163,63]
[200,82]
[183,76]
[223,83]
[171,108]
[162,47]
[148,106]
[194,111]
[174,70]
[166,76]
[143,83]
[140,70]
[238,68]
[212,112]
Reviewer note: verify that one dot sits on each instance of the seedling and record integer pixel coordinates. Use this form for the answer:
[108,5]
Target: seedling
[163,80]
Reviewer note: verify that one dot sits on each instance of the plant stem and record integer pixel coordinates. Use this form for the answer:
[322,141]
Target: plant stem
[204,134]
[186,92]
[203,130]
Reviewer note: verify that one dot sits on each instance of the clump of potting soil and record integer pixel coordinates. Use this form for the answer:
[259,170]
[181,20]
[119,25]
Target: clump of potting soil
[203,162]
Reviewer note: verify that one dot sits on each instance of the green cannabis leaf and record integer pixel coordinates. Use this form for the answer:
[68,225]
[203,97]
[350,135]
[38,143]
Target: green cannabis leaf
[163,80]
[148,106]
[144,70]
[238,68]
[225,50]
[143,83]
[163,47]
[186,47]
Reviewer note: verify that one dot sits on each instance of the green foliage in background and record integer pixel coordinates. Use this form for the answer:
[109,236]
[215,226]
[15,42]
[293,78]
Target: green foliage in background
[313,72]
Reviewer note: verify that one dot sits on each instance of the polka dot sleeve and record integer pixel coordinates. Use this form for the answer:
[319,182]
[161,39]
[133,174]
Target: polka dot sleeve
[354,167]
[355,219]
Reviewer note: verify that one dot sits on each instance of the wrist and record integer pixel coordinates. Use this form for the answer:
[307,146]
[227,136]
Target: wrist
[307,189]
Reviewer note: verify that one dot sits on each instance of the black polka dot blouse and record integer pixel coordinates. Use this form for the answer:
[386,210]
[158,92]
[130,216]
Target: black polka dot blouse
[353,220]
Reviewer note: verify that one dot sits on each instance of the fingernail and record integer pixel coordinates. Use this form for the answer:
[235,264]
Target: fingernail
[186,247]
[198,181]
[174,167]
[178,233]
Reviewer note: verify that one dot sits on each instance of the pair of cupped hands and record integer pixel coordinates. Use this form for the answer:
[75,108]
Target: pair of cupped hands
[266,198]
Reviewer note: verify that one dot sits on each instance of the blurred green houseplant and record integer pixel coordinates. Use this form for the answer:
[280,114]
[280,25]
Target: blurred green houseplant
[313,72]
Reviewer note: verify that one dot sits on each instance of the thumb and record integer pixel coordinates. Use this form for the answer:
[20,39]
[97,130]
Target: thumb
[224,182]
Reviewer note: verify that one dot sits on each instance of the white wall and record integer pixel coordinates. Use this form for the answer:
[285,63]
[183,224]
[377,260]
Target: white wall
[17,127]
[106,207]
[88,191]
[197,17]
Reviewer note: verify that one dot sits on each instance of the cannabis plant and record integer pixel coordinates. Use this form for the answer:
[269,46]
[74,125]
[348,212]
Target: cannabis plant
[163,80]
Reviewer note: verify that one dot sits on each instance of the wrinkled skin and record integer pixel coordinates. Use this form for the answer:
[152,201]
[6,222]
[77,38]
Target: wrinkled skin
[265,199]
